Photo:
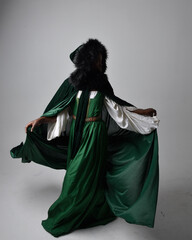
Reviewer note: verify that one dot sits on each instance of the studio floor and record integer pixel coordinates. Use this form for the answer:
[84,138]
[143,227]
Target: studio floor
[28,190]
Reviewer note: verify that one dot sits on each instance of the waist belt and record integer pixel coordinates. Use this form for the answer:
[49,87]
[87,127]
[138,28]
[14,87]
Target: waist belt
[90,119]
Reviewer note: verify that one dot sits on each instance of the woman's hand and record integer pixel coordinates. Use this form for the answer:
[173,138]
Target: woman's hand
[150,112]
[146,112]
[39,121]
[34,123]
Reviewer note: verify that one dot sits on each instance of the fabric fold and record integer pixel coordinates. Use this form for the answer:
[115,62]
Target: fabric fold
[55,129]
[129,120]
[122,115]
[130,152]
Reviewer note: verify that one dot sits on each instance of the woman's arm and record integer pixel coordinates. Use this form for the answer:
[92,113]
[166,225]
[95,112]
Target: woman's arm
[146,112]
[40,121]
[142,121]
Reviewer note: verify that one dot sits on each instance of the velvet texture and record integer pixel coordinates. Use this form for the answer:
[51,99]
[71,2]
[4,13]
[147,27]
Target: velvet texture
[131,176]
[80,121]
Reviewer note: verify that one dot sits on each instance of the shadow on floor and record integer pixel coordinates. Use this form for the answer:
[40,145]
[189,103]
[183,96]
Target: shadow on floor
[173,217]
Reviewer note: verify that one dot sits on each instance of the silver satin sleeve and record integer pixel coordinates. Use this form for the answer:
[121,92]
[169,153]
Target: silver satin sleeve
[129,120]
[55,129]
[122,115]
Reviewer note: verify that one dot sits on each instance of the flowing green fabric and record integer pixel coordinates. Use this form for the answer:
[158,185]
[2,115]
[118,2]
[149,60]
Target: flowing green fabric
[114,173]
[82,202]
[79,122]
[133,177]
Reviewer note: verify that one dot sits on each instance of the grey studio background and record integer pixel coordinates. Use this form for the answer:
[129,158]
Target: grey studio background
[149,65]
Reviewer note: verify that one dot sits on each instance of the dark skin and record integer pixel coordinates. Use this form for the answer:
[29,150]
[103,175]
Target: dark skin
[40,121]
[98,65]
[146,112]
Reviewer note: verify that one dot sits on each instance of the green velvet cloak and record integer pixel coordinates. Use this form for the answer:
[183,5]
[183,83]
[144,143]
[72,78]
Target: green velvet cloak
[132,160]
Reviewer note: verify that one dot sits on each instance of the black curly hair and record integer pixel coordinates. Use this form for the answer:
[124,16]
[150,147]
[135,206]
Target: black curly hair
[86,55]
[88,73]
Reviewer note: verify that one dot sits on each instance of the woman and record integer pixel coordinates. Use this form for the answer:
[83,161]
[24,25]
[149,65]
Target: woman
[111,153]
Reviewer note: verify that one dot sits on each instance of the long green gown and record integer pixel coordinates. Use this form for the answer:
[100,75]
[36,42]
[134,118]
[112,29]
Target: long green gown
[115,172]
[82,201]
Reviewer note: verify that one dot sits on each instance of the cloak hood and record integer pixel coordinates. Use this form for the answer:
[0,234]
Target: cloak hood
[86,76]
[85,56]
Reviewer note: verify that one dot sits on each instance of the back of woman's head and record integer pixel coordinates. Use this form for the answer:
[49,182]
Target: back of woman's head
[86,56]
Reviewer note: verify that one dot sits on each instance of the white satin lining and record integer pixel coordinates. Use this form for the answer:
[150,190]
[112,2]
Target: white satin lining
[129,120]
[91,96]
[122,115]
[55,129]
